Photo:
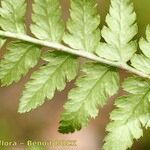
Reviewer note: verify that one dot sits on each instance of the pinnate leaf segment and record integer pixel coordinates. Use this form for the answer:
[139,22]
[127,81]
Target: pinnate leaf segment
[99,76]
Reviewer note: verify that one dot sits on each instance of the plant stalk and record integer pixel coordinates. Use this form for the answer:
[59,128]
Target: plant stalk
[81,53]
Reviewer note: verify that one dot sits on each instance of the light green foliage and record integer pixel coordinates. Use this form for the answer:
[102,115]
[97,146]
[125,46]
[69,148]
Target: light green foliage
[47,18]
[12,15]
[83,26]
[17,61]
[48,79]
[96,83]
[132,113]
[120,30]
[21,56]
[93,89]
[142,61]
[61,66]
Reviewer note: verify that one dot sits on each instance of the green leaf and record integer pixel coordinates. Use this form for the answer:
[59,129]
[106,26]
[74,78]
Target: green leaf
[83,26]
[47,18]
[2,41]
[12,13]
[48,79]
[132,113]
[120,30]
[142,61]
[17,61]
[145,44]
[48,25]
[135,85]
[93,89]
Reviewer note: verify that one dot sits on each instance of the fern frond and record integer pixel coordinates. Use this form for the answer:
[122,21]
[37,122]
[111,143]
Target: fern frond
[12,13]
[47,17]
[17,61]
[93,89]
[61,66]
[83,26]
[48,79]
[22,55]
[120,30]
[132,113]
[142,61]
[97,82]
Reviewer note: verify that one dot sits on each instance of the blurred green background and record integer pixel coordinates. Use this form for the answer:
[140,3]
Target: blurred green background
[42,123]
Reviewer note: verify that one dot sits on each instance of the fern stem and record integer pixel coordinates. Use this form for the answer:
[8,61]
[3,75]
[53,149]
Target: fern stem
[81,53]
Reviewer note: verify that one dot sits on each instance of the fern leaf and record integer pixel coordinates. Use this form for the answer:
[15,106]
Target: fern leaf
[83,26]
[48,24]
[48,79]
[12,15]
[142,61]
[120,30]
[17,61]
[91,93]
[132,113]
